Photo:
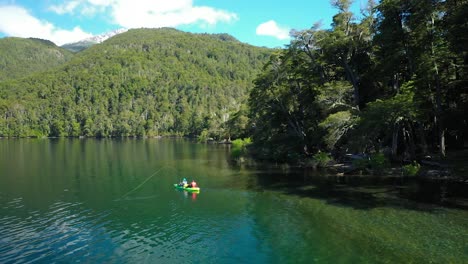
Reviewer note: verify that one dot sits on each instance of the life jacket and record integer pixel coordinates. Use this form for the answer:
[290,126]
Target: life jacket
[194,184]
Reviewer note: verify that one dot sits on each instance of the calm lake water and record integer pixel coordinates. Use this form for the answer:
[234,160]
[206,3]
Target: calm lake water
[113,201]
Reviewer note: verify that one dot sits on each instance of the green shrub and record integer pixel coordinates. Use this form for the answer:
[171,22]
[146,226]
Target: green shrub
[361,164]
[378,162]
[204,135]
[322,158]
[241,143]
[411,169]
[239,147]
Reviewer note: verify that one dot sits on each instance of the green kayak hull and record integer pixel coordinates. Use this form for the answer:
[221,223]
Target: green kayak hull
[190,189]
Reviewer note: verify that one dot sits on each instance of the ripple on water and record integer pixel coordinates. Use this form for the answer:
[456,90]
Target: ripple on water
[65,230]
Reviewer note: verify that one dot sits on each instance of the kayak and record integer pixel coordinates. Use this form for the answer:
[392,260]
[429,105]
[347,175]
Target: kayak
[190,189]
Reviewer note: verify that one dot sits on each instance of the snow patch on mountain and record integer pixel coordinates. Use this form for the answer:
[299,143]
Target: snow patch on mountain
[103,37]
[88,42]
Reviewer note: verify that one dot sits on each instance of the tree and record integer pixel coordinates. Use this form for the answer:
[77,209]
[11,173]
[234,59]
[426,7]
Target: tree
[347,44]
[282,106]
[141,82]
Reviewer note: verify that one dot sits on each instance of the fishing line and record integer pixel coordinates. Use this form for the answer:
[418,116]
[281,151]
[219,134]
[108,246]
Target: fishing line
[141,184]
[137,198]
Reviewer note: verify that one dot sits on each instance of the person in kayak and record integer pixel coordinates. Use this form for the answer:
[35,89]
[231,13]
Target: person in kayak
[183,183]
[193,184]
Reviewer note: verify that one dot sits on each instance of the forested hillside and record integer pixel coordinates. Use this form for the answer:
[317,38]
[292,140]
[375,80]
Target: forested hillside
[20,57]
[144,82]
[78,46]
[394,81]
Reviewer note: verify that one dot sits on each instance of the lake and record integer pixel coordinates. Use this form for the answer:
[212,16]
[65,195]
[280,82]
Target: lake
[113,201]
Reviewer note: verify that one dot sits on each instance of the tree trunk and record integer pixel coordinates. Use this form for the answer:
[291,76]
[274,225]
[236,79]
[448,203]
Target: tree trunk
[396,83]
[438,112]
[438,96]
[420,132]
[412,146]
[354,81]
[442,142]
[396,129]
[294,124]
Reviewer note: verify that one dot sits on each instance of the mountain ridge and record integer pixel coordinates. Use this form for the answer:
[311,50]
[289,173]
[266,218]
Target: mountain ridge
[144,82]
[88,42]
[20,57]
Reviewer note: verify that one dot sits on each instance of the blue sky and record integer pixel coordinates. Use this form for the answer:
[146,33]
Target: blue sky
[260,23]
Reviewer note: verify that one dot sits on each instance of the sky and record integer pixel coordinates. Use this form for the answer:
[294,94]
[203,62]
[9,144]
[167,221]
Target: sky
[256,22]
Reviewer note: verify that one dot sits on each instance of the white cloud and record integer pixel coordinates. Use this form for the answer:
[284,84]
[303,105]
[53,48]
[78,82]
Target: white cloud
[272,29]
[17,21]
[162,13]
[166,14]
[101,2]
[65,7]
[89,10]
[149,13]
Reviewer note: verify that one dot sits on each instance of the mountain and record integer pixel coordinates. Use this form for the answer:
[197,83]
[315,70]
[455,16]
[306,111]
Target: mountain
[86,43]
[20,57]
[105,36]
[144,82]
[78,46]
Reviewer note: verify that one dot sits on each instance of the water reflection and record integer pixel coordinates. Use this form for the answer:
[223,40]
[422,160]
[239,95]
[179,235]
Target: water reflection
[188,195]
[363,192]
[102,201]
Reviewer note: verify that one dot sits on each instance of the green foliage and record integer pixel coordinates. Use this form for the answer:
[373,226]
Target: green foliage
[282,108]
[378,162]
[380,115]
[204,136]
[144,82]
[238,124]
[361,164]
[411,169]
[336,126]
[78,46]
[308,95]
[396,79]
[336,96]
[322,159]
[22,57]
[239,147]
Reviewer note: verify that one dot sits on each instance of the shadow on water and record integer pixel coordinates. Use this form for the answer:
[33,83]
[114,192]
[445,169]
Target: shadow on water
[364,192]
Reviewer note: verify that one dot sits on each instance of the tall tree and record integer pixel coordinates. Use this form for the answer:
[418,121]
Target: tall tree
[282,107]
[347,44]
[432,58]
[455,23]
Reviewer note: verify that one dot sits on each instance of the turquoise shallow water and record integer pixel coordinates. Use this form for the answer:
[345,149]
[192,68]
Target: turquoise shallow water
[71,200]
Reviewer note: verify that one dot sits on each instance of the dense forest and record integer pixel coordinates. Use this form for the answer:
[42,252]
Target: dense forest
[20,57]
[145,82]
[393,81]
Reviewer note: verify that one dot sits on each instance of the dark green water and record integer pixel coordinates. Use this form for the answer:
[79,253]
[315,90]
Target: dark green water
[113,201]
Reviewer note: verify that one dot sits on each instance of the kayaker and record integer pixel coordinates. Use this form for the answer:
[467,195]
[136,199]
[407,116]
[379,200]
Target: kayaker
[193,184]
[183,183]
